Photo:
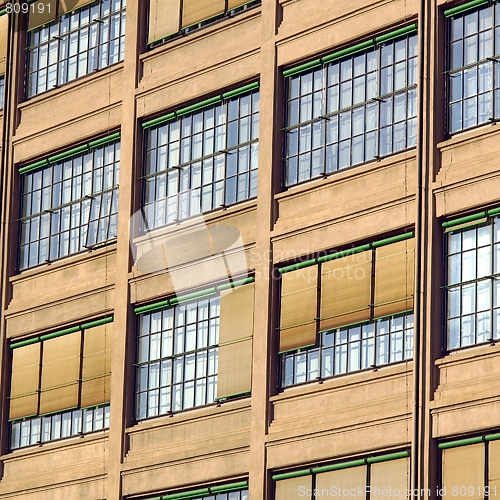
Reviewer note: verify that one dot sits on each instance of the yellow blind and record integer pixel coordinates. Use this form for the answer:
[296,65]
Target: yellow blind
[464,466]
[235,341]
[346,290]
[4,25]
[393,475]
[25,378]
[232,4]
[41,12]
[164,17]
[298,308]
[60,373]
[352,480]
[394,277]
[294,489]
[494,466]
[96,372]
[70,5]
[195,11]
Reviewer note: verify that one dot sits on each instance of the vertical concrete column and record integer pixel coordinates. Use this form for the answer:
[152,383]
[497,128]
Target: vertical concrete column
[268,151]
[124,332]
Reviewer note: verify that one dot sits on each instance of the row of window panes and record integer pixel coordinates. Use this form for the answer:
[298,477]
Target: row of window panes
[202,160]
[37,430]
[69,205]
[473,285]
[351,111]
[177,358]
[350,349]
[76,44]
[474,75]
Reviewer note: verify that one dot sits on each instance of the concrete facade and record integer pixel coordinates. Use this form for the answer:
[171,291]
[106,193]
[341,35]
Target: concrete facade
[411,405]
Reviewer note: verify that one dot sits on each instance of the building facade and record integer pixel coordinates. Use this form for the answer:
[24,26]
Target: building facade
[250,250]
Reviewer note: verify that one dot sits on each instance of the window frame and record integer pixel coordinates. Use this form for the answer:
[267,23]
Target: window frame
[318,121]
[176,188]
[59,35]
[67,215]
[456,229]
[43,428]
[452,71]
[211,21]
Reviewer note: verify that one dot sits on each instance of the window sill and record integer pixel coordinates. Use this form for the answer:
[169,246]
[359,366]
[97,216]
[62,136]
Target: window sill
[55,446]
[344,381]
[344,175]
[470,135]
[206,31]
[467,354]
[82,81]
[190,415]
[63,263]
[198,222]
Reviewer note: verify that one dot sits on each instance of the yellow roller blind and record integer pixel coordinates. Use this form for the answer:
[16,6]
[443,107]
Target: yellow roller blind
[394,277]
[235,341]
[195,11]
[298,308]
[25,379]
[464,466]
[60,373]
[346,290]
[41,12]
[352,480]
[392,476]
[232,4]
[70,5]
[4,25]
[163,19]
[295,488]
[96,372]
[494,466]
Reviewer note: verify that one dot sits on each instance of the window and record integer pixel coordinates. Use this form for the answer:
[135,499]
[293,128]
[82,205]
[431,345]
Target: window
[473,76]
[351,106]
[4,25]
[471,467]
[360,301]
[74,43]
[382,476]
[171,18]
[232,491]
[69,202]
[194,351]
[61,384]
[202,157]
[473,280]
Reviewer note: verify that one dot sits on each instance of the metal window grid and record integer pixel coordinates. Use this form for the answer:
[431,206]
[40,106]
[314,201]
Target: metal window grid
[69,205]
[350,111]
[202,161]
[177,358]
[76,44]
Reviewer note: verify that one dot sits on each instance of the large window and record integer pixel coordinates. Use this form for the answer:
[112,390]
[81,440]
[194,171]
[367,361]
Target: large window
[473,65]
[69,202]
[4,25]
[471,467]
[347,311]
[231,491]
[381,476]
[194,351]
[202,157]
[60,384]
[171,18]
[473,280]
[351,106]
[73,43]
